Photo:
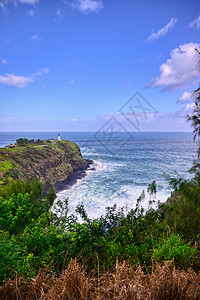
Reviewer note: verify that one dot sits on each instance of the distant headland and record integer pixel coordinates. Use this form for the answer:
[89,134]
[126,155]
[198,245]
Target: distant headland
[55,162]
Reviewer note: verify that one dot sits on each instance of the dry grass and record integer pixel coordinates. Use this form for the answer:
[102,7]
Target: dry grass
[163,282]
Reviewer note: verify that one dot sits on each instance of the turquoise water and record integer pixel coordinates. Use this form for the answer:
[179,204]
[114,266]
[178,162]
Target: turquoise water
[125,165]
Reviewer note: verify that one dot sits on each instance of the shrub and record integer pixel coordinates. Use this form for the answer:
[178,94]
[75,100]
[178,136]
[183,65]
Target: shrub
[174,248]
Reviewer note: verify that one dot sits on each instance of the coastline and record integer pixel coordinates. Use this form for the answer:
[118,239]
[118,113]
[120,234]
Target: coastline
[124,175]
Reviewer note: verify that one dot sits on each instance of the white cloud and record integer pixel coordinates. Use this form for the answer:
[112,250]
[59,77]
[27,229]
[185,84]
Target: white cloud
[42,71]
[31,2]
[21,81]
[180,70]
[59,15]
[185,97]
[189,106]
[162,121]
[35,38]
[30,12]
[187,109]
[87,6]
[16,81]
[58,12]
[4,61]
[195,24]
[4,3]
[163,31]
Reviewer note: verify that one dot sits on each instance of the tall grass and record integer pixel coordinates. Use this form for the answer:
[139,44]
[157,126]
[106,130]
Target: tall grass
[125,283]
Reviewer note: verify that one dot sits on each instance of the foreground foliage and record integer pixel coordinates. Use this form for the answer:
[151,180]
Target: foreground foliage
[33,238]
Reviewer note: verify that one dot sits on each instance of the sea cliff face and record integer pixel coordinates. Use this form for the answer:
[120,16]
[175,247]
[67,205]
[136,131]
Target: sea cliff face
[58,163]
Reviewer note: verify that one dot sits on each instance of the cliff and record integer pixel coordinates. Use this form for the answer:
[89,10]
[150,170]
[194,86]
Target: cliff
[54,162]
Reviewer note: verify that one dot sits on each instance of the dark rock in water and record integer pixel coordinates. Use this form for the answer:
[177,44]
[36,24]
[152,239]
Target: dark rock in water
[92,169]
[90,165]
[89,162]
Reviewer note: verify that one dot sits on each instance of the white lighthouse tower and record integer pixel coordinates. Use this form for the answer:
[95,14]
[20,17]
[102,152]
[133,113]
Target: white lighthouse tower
[59,137]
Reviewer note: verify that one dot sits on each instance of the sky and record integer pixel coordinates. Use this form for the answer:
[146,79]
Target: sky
[90,65]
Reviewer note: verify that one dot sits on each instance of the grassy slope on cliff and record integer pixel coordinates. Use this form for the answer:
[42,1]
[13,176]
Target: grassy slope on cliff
[52,163]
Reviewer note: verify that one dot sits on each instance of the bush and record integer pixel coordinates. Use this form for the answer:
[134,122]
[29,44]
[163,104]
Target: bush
[25,141]
[174,248]
[17,212]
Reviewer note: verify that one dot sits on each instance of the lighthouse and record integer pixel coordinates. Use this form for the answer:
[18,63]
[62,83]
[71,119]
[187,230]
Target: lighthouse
[59,137]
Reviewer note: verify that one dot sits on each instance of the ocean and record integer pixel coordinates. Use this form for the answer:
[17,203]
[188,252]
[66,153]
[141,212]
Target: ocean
[125,165]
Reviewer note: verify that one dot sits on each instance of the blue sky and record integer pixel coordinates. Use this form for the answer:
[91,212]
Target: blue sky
[71,65]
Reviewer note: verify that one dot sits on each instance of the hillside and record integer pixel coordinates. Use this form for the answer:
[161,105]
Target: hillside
[54,162]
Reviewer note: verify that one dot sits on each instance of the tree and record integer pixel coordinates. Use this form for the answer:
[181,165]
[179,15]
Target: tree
[183,213]
[22,141]
[194,117]
[152,190]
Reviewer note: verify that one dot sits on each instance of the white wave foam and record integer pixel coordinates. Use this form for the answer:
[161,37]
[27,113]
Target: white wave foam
[97,190]
[95,167]
[96,197]
[127,195]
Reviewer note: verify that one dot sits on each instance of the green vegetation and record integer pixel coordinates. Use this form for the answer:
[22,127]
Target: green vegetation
[5,165]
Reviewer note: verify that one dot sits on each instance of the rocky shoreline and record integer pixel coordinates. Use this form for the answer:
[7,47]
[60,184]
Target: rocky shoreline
[73,177]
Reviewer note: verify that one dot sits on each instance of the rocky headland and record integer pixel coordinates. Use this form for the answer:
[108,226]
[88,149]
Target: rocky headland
[57,163]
